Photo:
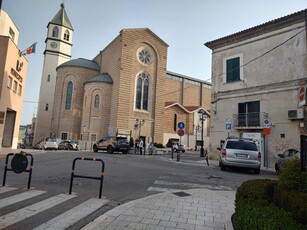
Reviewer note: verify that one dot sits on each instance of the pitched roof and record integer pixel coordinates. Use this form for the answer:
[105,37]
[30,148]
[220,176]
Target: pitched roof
[104,78]
[80,62]
[61,19]
[258,30]
[188,109]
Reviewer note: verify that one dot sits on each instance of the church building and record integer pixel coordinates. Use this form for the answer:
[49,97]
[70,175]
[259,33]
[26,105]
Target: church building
[124,90]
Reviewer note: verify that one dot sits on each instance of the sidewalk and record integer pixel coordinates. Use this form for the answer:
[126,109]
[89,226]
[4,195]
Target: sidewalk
[192,209]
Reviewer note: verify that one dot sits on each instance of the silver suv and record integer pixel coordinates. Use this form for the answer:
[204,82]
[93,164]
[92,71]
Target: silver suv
[111,144]
[241,153]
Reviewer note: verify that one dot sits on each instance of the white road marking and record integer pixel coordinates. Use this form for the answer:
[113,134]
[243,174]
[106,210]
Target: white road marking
[31,210]
[160,189]
[73,215]
[6,189]
[19,197]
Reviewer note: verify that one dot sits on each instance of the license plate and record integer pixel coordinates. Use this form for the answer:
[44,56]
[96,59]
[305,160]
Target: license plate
[241,155]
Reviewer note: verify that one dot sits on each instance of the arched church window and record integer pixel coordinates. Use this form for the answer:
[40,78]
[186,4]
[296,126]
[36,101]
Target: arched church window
[97,101]
[66,35]
[69,95]
[55,32]
[142,91]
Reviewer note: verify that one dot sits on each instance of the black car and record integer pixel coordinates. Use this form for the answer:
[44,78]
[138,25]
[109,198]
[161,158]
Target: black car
[68,145]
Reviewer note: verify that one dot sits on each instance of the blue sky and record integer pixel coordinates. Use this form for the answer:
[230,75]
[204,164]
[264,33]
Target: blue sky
[185,25]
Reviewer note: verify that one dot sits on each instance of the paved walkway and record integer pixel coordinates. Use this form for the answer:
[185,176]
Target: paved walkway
[193,209]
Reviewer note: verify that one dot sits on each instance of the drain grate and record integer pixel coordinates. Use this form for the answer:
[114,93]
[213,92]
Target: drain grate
[181,194]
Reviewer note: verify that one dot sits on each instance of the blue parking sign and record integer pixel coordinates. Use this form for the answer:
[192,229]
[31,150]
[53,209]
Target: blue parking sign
[181,125]
[228,127]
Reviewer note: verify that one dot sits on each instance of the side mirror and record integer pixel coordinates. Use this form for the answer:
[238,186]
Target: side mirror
[218,148]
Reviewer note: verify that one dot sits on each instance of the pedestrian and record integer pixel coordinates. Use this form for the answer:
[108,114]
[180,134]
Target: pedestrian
[141,146]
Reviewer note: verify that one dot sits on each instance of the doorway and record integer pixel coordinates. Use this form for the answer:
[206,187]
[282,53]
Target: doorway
[8,132]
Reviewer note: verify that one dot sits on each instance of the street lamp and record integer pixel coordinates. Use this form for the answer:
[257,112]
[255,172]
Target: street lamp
[137,126]
[202,116]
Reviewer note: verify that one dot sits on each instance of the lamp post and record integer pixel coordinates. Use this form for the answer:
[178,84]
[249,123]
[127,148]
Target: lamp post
[138,124]
[202,116]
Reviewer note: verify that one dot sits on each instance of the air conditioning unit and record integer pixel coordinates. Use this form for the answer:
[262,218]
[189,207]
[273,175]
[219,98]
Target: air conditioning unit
[296,114]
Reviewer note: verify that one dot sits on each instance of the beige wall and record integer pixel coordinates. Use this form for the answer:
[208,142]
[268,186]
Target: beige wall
[11,99]
[273,79]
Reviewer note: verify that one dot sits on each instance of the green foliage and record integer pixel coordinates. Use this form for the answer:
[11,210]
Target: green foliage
[158,145]
[251,215]
[264,204]
[292,201]
[260,190]
[292,178]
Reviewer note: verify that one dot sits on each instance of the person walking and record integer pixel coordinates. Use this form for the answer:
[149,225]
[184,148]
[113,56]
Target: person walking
[141,144]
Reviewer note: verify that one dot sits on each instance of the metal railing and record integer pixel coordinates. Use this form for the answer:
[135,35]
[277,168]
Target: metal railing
[254,119]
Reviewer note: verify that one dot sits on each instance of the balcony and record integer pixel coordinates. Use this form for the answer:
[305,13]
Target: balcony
[249,120]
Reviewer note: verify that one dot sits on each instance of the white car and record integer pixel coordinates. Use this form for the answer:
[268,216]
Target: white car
[178,147]
[50,143]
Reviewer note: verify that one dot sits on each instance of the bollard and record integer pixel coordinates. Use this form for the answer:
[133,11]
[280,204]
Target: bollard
[87,177]
[19,164]
[178,155]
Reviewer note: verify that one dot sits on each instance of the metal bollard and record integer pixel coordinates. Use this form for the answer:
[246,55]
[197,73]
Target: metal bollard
[178,155]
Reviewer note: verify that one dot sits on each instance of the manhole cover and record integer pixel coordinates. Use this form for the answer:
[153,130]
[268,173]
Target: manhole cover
[181,194]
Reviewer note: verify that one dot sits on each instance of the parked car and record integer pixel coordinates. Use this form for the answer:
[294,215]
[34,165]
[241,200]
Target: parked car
[241,153]
[47,143]
[111,144]
[178,147]
[68,145]
[287,155]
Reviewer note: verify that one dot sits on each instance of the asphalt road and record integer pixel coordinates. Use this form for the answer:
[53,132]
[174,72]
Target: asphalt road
[126,177]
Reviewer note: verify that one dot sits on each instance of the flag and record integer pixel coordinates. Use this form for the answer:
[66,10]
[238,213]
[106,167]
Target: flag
[30,49]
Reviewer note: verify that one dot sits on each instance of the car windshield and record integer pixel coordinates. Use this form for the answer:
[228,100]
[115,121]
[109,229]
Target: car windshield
[51,139]
[243,145]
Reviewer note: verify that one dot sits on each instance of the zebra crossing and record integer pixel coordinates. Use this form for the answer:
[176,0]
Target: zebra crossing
[26,209]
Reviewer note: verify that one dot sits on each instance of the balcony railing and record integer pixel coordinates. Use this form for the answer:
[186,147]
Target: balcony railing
[249,119]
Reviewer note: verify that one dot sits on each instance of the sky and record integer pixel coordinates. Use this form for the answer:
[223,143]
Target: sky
[185,25]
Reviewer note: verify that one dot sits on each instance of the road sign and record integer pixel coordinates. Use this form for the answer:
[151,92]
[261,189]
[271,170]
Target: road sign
[180,132]
[266,123]
[228,126]
[180,125]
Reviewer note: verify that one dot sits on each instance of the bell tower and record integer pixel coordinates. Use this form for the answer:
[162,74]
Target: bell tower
[57,51]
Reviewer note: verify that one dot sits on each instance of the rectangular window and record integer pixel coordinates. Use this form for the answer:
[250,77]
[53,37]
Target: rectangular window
[64,136]
[47,107]
[48,78]
[15,86]
[233,69]
[19,89]
[12,34]
[93,137]
[249,113]
[10,82]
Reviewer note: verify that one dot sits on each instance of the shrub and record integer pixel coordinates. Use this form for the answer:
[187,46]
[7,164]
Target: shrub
[260,190]
[292,178]
[293,202]
[131,143]
[251,215]
[158,145]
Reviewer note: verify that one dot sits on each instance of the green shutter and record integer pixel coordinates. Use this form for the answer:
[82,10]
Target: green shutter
[233,69]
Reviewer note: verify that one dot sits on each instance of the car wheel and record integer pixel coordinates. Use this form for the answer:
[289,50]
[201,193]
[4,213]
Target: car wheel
[183,151]
[256,171]
[95,148]
[110,149]
[70,147]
